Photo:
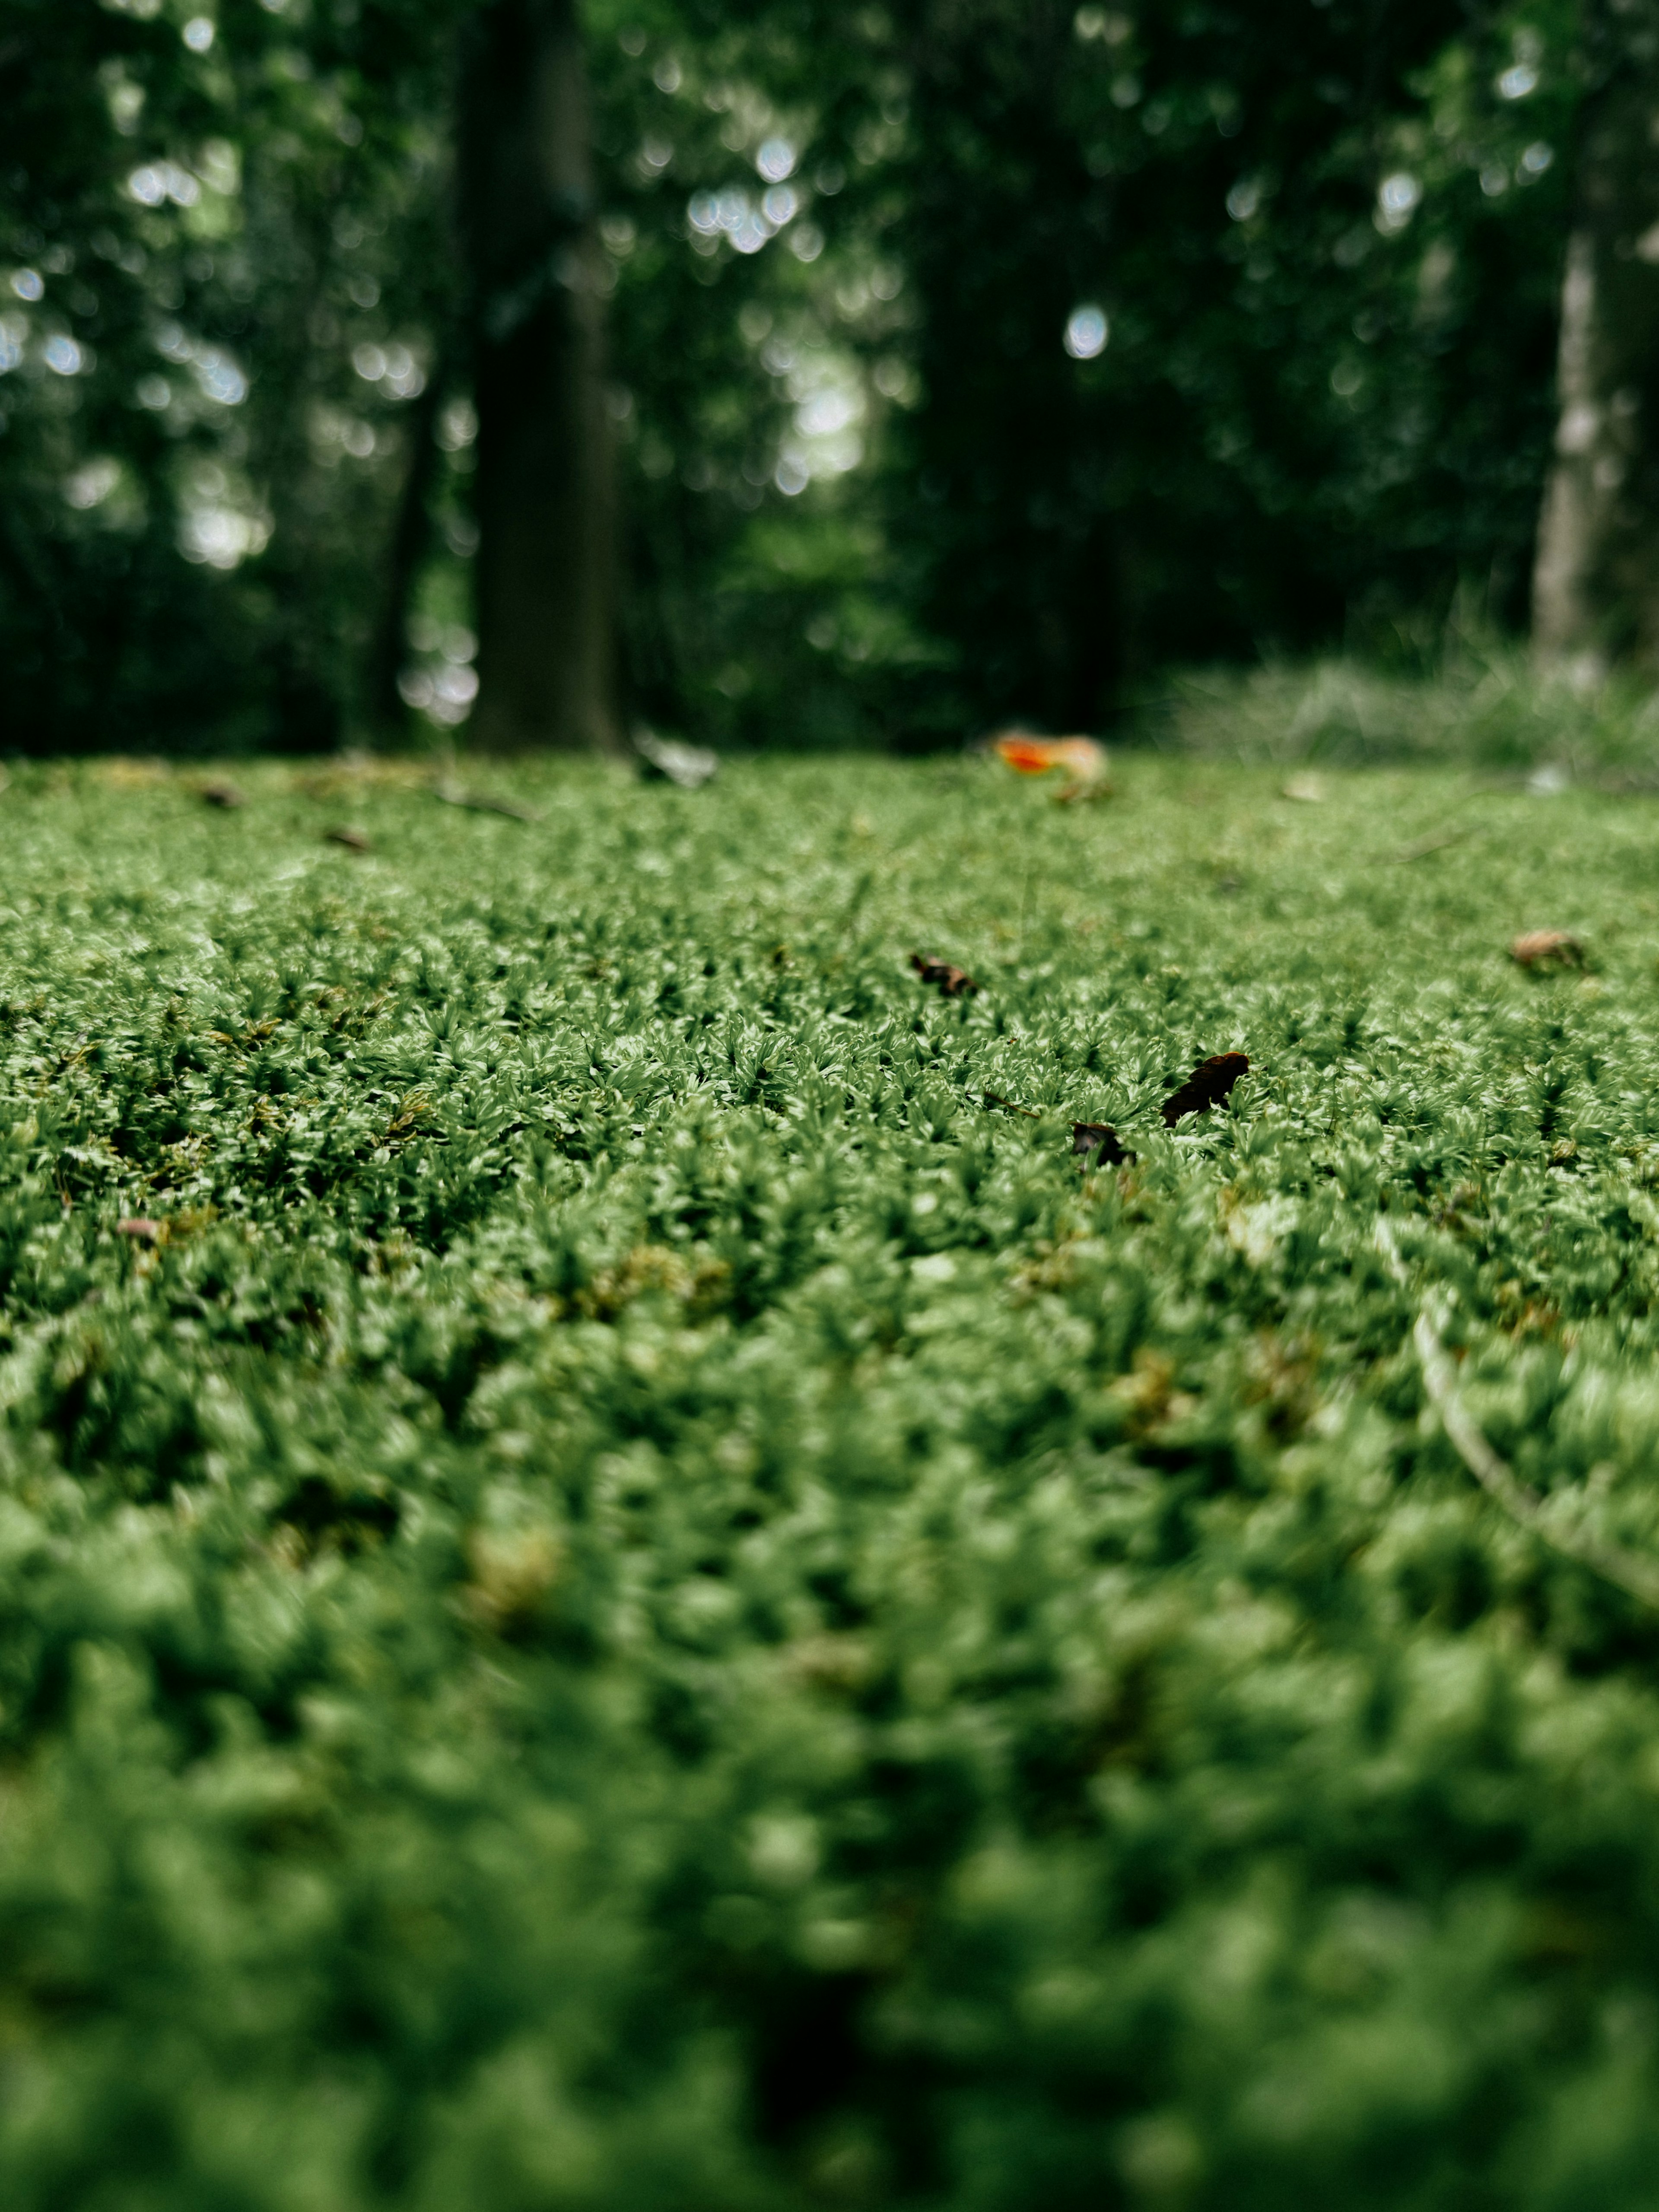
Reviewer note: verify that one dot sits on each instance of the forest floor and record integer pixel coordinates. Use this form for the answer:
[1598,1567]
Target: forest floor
[625,1586]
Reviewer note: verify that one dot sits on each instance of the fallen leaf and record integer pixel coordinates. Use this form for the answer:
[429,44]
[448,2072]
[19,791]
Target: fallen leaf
[1207,1086]
[1095,1143]
[1029,756]
[353,840]
[1547,948]
[147,1231]
[953,982]
[689,766]
[222,794]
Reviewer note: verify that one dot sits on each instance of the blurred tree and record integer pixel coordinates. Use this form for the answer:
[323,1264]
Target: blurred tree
[965,361]
[546,584]
[1595,594]
[1235,325]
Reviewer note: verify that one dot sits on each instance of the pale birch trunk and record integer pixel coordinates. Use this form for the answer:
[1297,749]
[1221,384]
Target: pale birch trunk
[1596,585]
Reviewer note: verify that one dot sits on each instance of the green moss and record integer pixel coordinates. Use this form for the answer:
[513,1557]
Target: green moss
[640,1601]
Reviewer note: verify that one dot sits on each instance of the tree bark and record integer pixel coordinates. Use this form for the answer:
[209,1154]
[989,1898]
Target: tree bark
[545,572]
[410,534]
[1595,584]
[1019,551]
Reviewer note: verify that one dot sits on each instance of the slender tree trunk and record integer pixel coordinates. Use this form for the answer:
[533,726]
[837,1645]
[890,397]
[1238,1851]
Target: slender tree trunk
[409,535]
[1016,549]
[1596,585]
[546,504]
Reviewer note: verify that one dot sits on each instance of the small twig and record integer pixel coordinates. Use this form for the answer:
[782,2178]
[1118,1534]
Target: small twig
[995,1098]
[482,802]
[1425,846]
[1638,1577]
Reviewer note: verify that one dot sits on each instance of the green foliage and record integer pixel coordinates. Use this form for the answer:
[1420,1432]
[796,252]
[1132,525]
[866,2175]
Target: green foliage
[1327,249]
[219,206]
[1320,410]
[637,1598]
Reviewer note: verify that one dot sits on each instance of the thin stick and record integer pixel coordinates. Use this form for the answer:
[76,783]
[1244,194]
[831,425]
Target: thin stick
[482,802]
[1425,846]
[1627,1571]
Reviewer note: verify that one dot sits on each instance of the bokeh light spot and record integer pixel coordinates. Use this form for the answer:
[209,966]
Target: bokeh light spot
[1086,332]
[1397,198]
[92,484]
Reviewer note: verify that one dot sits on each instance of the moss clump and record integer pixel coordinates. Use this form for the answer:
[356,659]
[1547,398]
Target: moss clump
[637,1596]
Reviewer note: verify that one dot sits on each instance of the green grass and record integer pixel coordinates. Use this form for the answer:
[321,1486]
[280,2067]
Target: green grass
[1480,703]
[640,1604]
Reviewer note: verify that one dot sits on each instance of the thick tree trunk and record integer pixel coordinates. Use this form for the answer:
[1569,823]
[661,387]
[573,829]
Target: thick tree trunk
[1596,587]
[546,505]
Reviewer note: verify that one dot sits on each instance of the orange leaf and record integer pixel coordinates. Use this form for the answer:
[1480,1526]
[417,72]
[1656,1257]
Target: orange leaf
[1030,756]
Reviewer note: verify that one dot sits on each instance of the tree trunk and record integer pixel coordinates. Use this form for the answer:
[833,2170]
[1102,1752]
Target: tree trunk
[410,534]
[1016,547]
[545,496]
[1596,585]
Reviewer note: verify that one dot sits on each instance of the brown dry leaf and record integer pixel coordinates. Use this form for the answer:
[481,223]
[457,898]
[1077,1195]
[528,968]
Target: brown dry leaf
[953,982]
[1547,948]
[353,840]
[1096,1143]
[1207,1086]
[222,794]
